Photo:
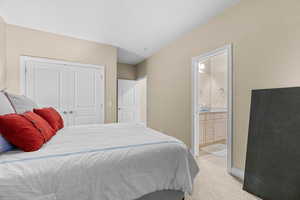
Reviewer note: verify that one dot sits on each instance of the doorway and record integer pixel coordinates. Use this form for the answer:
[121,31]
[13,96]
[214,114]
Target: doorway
[212,104]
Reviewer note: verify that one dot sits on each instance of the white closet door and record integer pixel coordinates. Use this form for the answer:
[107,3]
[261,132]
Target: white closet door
[76,92]
[47,85]
[86,96]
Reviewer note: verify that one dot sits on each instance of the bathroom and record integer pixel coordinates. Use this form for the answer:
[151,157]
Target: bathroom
[212,104]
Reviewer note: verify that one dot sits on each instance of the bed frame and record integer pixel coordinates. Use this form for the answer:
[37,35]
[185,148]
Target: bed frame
[164,195]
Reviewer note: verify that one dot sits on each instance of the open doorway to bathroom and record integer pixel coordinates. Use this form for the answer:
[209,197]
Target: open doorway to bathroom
[212,106]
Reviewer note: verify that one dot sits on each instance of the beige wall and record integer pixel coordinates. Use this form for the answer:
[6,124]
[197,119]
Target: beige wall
[141,74]
[2,52]
[266,45]
[141,70]
[126,71]
[142,88]
[22,41]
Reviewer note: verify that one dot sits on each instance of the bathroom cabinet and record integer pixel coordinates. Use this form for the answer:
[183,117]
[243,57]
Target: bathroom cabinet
[213,127]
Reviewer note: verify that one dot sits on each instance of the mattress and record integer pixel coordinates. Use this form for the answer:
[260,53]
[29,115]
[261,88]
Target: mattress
[92,162]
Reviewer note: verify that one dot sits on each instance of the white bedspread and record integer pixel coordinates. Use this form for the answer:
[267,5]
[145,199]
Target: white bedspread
[98,162]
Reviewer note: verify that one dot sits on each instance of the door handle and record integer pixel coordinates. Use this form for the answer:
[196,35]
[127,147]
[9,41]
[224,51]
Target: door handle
[65,112]
[71,112]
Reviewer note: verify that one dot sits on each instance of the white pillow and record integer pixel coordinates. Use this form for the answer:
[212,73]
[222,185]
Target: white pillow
[5,108]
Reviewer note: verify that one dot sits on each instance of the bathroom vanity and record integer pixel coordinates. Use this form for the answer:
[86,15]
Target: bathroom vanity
[213,126]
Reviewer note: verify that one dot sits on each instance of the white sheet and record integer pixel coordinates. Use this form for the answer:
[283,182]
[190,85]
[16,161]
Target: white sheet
[98,162]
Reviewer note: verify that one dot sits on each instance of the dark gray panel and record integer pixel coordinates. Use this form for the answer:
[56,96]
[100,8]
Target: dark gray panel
[273,153]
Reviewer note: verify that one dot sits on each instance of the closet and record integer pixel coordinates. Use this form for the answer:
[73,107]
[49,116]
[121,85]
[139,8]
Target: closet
[75,90]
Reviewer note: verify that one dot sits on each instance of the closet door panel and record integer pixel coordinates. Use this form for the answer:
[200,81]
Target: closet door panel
[48,86]
[86,102]
[99,94]
[65,94]
[71,96]
[85,89]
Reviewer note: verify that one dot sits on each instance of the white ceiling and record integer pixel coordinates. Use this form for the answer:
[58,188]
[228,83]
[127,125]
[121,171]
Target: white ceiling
[137,27]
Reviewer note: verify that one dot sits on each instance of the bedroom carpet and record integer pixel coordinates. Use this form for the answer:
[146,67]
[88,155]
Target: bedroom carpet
[214,183]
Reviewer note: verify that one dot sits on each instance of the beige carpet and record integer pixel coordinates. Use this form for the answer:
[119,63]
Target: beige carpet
[214,183]
[218,149]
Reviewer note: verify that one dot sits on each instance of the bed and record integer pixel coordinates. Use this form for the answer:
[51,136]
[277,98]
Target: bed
[107,162]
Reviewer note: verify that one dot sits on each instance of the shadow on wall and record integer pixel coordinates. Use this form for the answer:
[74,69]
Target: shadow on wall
[129,57]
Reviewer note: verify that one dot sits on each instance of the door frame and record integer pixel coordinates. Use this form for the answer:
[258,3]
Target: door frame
[137,94]
[23,71]
[195,114]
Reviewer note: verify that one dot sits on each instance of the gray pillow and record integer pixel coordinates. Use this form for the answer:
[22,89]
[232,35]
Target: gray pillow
[5,105]
[5,108]
[21,103]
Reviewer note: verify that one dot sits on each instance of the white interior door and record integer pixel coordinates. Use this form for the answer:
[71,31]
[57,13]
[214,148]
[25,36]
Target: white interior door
[77,92]
[128,107]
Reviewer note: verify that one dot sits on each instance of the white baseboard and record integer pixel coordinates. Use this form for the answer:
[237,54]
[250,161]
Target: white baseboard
[238,173]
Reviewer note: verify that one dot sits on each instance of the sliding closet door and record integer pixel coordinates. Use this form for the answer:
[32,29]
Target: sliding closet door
[86,96]
[47,84]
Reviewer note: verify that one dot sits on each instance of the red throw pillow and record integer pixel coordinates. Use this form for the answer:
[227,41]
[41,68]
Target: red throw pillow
[42,125]
[51,116]
[20,132]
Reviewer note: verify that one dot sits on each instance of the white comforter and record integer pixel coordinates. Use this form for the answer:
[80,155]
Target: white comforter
[98,162]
